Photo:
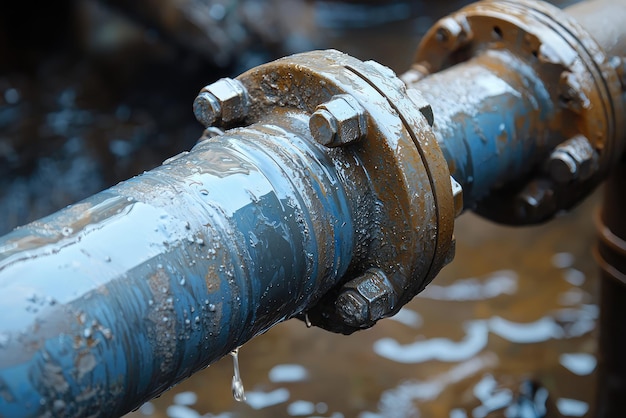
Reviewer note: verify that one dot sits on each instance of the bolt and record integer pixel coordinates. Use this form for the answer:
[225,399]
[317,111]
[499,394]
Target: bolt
[453,32]
[323,126]
[338,121]
[536,202]
[225,100]
[206,108]
[353,309]
[366,299]
[562,166]
[574,158]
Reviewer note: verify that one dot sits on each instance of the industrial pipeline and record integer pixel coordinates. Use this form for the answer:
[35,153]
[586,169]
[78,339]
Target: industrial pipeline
[325,188]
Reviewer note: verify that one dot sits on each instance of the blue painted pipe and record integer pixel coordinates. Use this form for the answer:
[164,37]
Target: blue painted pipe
[492,125]
[218,245]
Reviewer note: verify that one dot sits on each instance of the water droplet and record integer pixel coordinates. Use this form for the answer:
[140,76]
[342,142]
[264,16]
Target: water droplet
[238,390]
[307,321]
[87,333]
[197,319]
[182,281]
[211,307]
[150,302]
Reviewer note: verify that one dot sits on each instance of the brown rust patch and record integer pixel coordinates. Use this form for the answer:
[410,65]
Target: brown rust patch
[162,333]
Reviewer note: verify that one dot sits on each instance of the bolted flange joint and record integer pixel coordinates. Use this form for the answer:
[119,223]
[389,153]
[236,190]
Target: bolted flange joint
[226,101]
[339,121]
[366,299]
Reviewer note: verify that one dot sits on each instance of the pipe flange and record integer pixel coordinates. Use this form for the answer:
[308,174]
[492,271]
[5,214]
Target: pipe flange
[580,78]
[403,204]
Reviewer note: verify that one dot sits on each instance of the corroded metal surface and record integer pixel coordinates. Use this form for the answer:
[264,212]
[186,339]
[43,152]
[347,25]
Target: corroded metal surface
[341,219]
[113,300]
[539,79]
[403,198]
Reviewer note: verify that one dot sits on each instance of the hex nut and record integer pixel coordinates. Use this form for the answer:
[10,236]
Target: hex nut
[338,121]
[353,309]
[226,100]
[367,299]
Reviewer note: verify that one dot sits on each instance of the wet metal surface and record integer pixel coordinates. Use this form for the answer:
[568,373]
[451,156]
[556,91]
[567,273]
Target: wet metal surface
[165,273]
[516,305]
[169,259]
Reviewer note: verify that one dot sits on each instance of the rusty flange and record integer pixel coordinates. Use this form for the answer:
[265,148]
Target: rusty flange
[580,79]
[380,141]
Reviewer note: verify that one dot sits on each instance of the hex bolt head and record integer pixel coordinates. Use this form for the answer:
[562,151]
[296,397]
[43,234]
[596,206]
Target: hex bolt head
[338,121]
[225,101]
[572,159]
[366,299]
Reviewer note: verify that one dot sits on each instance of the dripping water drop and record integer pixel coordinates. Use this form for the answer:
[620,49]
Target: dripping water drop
[238,391]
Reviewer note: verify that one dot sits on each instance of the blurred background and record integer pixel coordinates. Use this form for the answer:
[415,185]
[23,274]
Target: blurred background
[96,91]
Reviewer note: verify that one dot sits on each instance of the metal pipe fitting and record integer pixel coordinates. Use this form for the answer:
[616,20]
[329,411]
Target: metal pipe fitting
[331,193]
[225,101]
[111,301]
[538,78]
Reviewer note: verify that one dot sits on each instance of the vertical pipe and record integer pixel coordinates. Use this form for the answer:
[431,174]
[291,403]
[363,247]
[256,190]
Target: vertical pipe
[218,245]
[611,256]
